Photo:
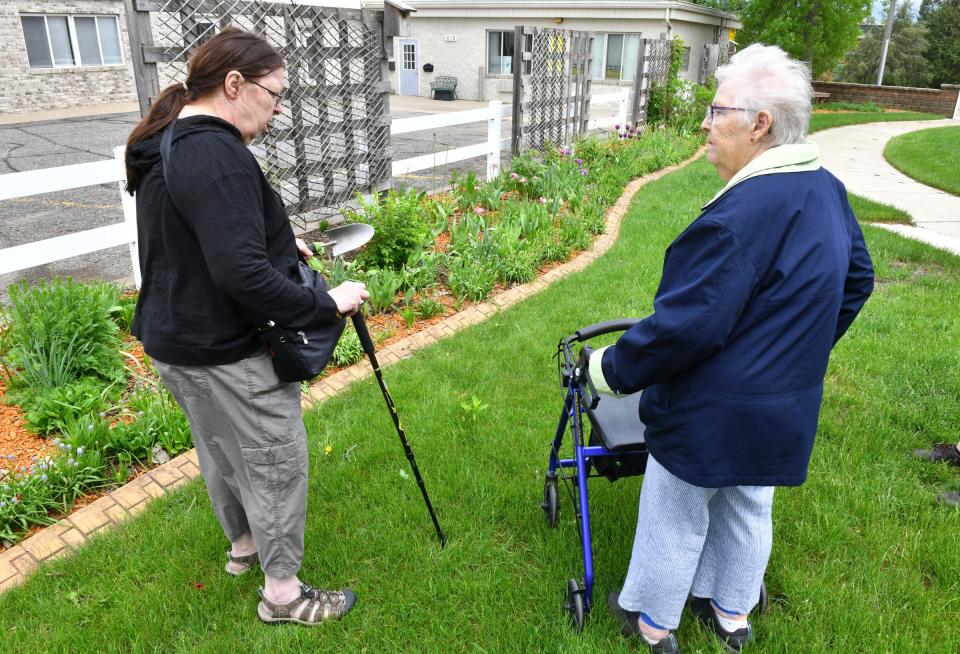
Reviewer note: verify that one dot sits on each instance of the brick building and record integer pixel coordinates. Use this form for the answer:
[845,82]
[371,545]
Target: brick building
[63,53]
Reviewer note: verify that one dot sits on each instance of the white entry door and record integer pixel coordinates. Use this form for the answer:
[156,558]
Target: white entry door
[409,68]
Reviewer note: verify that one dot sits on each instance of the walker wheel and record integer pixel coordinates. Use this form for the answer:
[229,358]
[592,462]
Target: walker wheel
[573,604]
[551,501]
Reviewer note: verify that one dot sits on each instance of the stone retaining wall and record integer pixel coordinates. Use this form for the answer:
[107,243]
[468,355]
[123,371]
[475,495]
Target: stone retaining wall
[942,101]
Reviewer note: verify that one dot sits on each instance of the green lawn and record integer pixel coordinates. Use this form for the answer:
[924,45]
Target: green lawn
[828,120]
[930,156]
[864,209]
[863,560]
[870,211]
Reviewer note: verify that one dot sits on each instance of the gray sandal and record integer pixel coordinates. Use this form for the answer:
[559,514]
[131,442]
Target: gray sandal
[245,563]
[311,608]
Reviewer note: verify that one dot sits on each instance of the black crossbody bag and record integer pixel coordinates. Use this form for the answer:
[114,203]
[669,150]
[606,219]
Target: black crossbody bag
[298,355]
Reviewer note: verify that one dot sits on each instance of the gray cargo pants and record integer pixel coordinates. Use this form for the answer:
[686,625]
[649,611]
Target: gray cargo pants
[252,447]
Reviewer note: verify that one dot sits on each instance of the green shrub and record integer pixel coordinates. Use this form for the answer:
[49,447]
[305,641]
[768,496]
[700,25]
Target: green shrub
[399,224]
[61,331]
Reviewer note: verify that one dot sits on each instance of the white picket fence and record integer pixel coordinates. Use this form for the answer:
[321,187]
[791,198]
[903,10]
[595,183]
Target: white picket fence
[112,171]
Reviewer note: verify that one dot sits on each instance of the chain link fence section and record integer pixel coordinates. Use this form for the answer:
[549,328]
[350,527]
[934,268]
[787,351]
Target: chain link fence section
[333,138]
[714,56]
[653,68]
[551,87]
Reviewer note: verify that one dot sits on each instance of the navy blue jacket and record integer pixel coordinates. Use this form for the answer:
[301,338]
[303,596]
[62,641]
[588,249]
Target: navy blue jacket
[754,294]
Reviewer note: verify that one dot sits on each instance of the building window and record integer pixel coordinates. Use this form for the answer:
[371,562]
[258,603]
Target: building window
[685,60]
[409,56]
[499,53]
[615,56]
[64,41]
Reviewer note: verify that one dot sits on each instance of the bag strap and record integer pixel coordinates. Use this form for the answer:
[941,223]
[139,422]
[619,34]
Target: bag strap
[165,140]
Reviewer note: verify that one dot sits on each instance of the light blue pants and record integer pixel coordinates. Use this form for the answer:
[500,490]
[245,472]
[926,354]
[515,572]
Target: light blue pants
[709,542]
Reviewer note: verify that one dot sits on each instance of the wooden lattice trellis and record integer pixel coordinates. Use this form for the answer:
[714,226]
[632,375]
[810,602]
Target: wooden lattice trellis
[333,138]
[551,87]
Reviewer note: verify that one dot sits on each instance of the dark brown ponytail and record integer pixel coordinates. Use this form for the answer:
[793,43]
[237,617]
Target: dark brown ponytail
[232,49]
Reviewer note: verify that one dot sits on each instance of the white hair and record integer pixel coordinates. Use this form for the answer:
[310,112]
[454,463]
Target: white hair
[768,79]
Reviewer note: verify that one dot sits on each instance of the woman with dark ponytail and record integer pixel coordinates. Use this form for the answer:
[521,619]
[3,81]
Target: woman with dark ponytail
[219,257]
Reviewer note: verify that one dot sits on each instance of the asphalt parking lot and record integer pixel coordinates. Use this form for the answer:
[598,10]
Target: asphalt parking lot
[51,143]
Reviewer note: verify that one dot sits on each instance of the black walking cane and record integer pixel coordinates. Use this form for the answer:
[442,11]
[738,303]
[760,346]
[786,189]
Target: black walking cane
[367,343]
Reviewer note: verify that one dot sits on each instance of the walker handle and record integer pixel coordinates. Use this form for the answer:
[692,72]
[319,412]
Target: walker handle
[600,328]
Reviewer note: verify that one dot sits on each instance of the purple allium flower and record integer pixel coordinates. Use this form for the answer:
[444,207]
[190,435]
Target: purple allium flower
[567,152]
[617,127]
[583,172]
[579,162]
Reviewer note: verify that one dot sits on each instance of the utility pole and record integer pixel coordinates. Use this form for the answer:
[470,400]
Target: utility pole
[886,42]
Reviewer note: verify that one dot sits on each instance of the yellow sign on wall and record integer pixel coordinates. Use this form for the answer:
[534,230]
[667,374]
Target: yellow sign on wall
[733,35]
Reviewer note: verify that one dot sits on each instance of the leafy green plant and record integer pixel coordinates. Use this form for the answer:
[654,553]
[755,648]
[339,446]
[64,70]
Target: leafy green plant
[159,421]
[471,279]
[428,308]
[465,189]
[348,350]
[409,314]
[123,312]
[50,484]
[50,408]
[400,228]
[473,409]
[383,285]
[422,269]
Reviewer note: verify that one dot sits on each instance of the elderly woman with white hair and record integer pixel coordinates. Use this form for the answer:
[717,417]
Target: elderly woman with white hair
[754,294]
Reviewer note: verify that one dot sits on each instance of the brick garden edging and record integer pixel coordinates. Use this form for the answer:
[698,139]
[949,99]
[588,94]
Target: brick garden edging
[70,533]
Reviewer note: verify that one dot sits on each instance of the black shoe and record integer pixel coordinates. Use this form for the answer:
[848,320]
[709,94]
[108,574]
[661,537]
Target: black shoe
[630,626]
[940,452]
[950,498]
[702,610]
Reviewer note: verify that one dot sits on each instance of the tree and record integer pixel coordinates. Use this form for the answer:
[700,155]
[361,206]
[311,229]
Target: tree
[819,32]
[907,64]
[942,20]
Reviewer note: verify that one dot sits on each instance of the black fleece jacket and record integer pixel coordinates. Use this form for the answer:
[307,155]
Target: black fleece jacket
[217,252]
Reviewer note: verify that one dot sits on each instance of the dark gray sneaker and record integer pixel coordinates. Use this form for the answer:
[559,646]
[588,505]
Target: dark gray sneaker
[940,452]
[950,498]
[702,610]
[630,626]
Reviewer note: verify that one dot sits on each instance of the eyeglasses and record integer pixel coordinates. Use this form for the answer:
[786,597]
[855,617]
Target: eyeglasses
[277,97]
[713,109]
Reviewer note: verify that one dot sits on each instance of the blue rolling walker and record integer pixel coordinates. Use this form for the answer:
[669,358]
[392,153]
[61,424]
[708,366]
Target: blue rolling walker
[615,448]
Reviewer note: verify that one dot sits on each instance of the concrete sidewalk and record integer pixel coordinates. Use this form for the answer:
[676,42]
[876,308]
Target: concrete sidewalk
[855,155]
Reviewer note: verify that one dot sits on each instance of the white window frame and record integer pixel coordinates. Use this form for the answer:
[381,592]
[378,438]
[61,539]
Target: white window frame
[606,49]
[74,42]
[506,34]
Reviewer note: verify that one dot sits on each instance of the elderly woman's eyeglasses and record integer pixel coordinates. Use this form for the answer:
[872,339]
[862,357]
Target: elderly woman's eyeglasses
[277,97]
[714,109]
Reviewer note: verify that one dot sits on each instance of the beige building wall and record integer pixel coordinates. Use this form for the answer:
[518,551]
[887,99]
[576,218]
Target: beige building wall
[465,58]
[24,89]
